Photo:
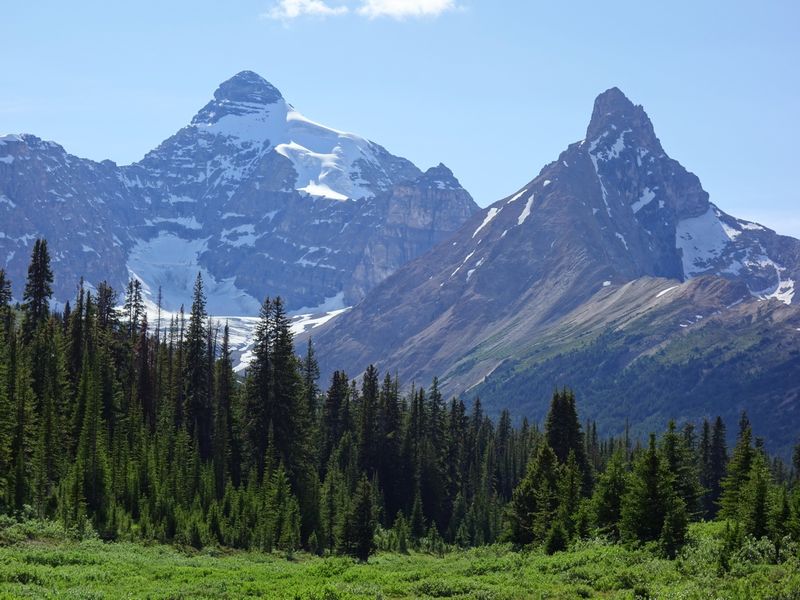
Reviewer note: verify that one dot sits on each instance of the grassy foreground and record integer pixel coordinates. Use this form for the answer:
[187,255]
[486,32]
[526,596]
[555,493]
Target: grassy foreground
[40,563]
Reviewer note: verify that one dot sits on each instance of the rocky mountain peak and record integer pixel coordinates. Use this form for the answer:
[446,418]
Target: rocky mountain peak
[440,177]
[613,111]
[246,93]
[247,86]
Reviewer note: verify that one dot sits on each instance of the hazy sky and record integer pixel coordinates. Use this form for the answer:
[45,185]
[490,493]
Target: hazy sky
[493,88]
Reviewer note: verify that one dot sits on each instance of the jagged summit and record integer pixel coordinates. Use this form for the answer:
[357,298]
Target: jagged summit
[441,177]
[614,111]
[247,86]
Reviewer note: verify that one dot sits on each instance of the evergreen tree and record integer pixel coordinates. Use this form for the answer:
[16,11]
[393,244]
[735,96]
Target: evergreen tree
[563,432]
[649,498]
[358,531]
[38,290]
[417,523]
[738,471]
[755,506]
[569,495]
[681,462]
[5,305]
[673,532]
[534,502]
[717,466]
[389,433]
[226,456]
[335,413]
[367,421]
[197,395]
[608,494]
[557,538]
[310,378]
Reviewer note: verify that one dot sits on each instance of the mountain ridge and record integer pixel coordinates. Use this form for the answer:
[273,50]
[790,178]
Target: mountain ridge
[251,193]
[612,210]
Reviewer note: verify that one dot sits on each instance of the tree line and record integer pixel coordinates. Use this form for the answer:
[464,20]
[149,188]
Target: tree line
[143,430]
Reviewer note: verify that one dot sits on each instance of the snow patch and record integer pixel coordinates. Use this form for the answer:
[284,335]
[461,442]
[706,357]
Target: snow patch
[646,198]
[487,219]
[463,262]
[784,292]
[750,226]
[700,240]
[172,263]
[303,323]
[526,211]
[666,291]
[517,196]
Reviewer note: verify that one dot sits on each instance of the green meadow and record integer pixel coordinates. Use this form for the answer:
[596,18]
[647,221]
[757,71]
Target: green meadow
[38,560]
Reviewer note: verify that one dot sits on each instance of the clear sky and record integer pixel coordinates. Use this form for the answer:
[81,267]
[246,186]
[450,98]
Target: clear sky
[493,88]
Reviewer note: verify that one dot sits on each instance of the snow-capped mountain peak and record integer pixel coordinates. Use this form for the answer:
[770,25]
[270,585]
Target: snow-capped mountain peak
[251,193]
[249,123]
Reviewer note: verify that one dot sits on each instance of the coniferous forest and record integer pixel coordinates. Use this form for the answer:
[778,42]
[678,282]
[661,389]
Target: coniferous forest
[141,430]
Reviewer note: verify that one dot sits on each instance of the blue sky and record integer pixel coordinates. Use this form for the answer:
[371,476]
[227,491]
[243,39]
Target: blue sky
[493,88]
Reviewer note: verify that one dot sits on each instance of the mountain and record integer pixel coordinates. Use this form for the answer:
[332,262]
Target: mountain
[251,193]
[611,272]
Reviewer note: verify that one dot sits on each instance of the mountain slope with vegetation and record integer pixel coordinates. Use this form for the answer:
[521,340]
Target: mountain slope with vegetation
[113,429]
[611,271]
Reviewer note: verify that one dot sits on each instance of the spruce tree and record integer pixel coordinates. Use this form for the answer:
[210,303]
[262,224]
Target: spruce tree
[197,380]
[755,498]
[649,498]
[609,491]
[389,433]
[38,290]
[226,456]
[738,471]
[680,460]
[563,433]
[534,501]
[310,369]
[367,421]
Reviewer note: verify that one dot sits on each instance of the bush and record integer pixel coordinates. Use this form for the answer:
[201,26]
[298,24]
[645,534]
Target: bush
[556,539]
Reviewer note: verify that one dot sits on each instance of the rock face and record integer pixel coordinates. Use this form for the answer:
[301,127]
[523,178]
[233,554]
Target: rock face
[613,241]
[253,194]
